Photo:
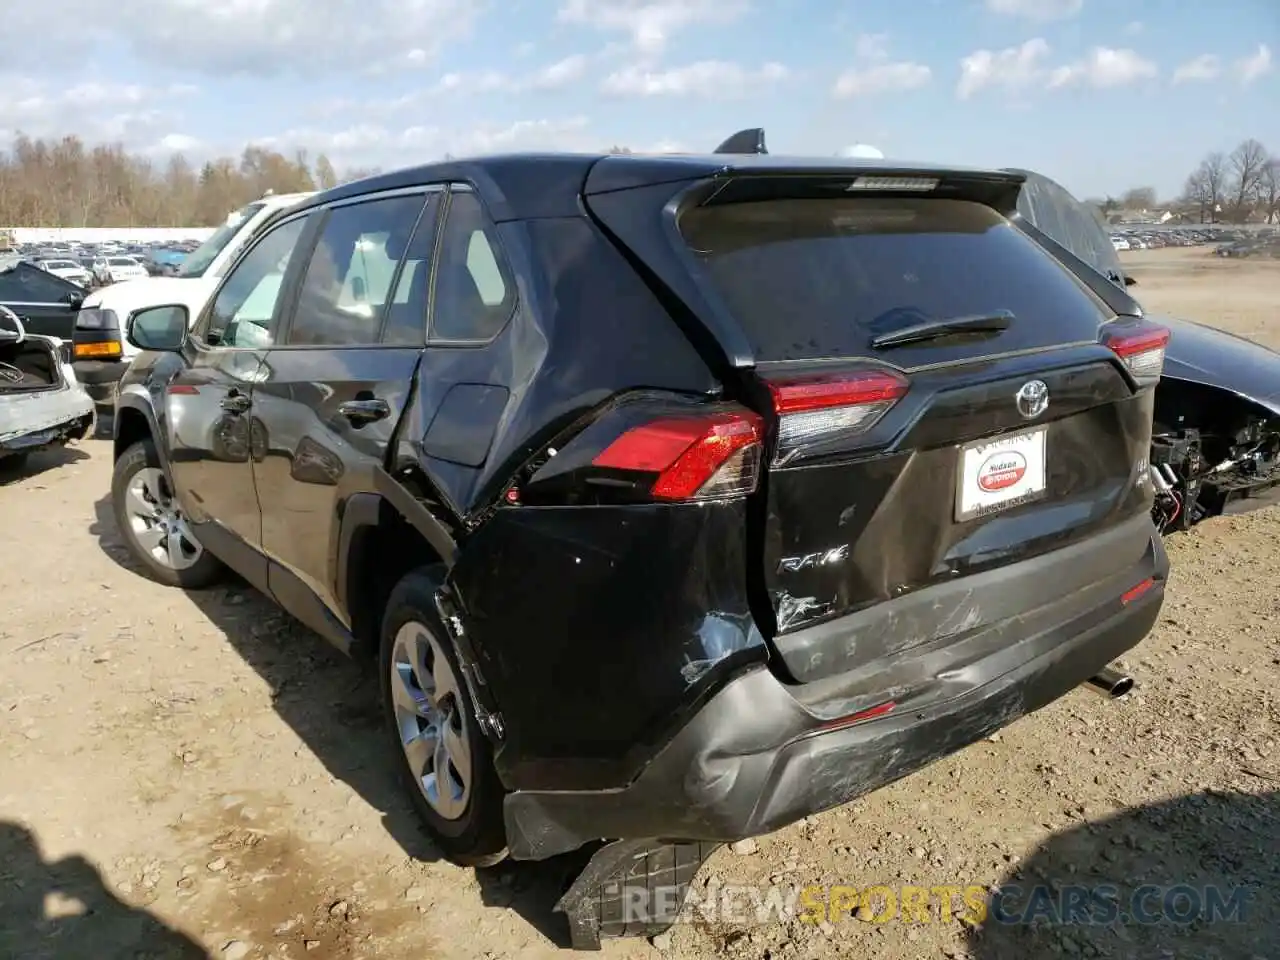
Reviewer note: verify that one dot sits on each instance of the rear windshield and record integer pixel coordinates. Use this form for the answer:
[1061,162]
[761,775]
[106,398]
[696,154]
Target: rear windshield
[121,262]
[820,278]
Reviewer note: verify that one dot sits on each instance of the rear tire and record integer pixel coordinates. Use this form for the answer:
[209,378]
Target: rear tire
[153,525]
[444,758]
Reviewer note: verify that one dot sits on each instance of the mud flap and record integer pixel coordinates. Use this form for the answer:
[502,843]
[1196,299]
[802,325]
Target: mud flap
[631,888]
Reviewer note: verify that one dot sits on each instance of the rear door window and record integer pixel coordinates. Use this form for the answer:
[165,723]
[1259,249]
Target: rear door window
[349,280]
[811,279]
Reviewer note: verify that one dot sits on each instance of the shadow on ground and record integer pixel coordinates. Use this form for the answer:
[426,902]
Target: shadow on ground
[61,909]
[1194,877]
[331,703]
[13,469]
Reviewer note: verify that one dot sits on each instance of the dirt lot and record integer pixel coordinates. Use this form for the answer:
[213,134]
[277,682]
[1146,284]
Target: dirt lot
[192,775]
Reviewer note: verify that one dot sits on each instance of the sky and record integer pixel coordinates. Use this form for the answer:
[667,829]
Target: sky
[1102,95]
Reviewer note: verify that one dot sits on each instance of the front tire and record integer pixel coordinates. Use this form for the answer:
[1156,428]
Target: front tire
[444,758]
[153,524]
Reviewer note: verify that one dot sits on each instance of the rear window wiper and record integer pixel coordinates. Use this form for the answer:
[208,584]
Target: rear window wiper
[937,329]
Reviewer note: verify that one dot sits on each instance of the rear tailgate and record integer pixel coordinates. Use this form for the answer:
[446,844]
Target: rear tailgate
[903,454]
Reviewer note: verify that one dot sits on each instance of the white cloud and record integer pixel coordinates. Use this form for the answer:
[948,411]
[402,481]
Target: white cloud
[871,46]
[258,37]
[553,76]
[712,79]
[1104,68]
[1037,9]
[374,144]
[1024,68]
[874,73]
[179,143]
[1254,67]
[559,74]
[883,78]
[95,112]
[1013,68]
[665,146]
[650,24]
[1204,67]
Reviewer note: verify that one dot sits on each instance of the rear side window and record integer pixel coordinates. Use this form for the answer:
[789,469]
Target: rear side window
[474,295]
[820,278]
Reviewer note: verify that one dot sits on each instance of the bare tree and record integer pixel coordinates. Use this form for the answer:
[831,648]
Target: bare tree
[326,176]
[1139,198]
[1269,190]
[65,183]
[1248,160]
[1215,173]
[1198,192]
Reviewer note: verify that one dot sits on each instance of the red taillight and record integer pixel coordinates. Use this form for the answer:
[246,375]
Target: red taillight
[695,458]
[1135,593]
[182,389]
[811,409]
[1141,347]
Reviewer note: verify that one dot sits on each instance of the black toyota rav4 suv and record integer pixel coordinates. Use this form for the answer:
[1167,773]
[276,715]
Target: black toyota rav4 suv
[676,497]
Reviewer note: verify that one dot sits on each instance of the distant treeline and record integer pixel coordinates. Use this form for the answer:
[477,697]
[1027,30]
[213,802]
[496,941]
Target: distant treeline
[65,183]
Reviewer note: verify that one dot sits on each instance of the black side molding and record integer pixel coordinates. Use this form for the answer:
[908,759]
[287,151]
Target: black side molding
[419,517]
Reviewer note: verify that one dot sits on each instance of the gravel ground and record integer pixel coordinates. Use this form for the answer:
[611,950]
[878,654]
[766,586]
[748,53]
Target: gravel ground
[199,776]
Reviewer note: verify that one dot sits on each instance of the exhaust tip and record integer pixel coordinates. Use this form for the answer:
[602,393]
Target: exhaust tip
[1111,683]
[1121,687]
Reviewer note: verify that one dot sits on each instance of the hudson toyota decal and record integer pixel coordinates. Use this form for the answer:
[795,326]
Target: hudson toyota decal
[1001,471]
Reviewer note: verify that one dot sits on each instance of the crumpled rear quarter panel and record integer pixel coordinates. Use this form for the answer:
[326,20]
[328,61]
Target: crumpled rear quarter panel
[596,627]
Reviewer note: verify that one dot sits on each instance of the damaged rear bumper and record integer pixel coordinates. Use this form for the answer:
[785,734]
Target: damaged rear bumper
[761,754]
[30,420]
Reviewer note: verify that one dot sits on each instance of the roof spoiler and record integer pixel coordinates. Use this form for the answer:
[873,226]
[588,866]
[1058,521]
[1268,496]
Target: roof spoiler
[749,141]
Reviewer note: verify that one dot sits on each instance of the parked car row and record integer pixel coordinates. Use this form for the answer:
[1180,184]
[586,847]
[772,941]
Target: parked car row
[1229,241]
[1143,239]
[91,266]
[1265,243]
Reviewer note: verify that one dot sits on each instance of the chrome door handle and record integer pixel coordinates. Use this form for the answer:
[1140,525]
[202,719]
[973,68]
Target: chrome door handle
[364,411]
[235,403]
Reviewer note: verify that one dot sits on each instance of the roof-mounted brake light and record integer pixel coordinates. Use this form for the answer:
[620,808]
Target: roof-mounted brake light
[892,184]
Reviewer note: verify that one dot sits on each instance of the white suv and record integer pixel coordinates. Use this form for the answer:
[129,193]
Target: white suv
[101,353]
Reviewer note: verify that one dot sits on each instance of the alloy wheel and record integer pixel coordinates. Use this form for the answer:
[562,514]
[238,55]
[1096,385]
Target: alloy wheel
[428,706]
[157,523]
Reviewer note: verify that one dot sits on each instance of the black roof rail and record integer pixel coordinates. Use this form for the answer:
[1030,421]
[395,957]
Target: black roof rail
[749,141]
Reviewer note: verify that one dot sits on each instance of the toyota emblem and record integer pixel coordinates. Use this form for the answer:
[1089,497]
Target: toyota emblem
[1032,398]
